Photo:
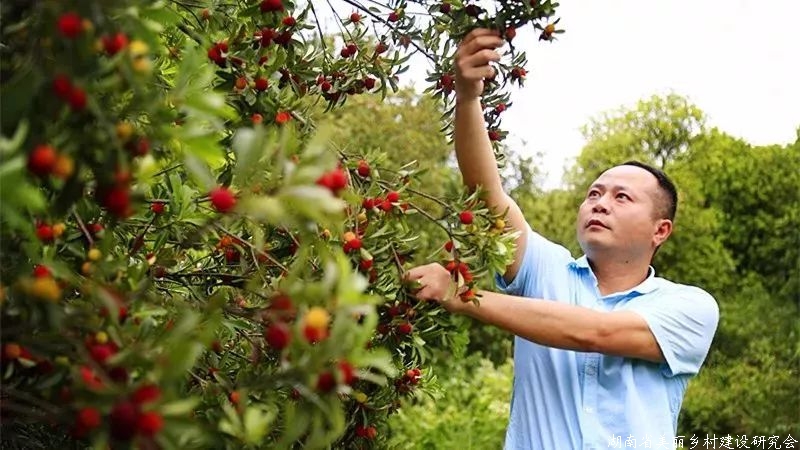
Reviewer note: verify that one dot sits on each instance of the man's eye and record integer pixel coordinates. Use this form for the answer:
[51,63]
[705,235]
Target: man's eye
[593,194]
[623,196]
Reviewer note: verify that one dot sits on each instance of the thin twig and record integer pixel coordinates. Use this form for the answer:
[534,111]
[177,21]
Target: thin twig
[431,218]
[82,226]
[319,28]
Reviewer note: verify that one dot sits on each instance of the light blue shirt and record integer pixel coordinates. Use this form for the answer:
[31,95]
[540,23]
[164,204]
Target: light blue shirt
[574,400]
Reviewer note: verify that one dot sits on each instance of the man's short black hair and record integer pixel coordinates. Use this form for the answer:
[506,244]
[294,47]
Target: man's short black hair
[668,205]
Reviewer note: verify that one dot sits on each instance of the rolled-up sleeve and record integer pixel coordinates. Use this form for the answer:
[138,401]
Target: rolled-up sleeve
[684,324]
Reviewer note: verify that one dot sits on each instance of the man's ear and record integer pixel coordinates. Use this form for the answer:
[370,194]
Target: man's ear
[662,232]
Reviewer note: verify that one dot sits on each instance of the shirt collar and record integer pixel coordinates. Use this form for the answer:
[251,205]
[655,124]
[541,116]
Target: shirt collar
[645,287]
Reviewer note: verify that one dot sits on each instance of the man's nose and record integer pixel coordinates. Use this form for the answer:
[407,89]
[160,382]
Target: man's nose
[599,205]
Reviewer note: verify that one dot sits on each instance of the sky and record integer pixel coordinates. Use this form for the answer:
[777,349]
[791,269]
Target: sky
[734,59]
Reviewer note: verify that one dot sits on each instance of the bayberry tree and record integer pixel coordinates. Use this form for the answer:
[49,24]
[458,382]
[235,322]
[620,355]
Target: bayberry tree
[186,260]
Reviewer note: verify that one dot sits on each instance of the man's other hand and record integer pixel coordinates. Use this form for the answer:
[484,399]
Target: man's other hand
[434,282]
[472,60]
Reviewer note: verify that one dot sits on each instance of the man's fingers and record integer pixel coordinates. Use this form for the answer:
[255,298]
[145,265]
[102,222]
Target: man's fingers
[479,73]
[478,32]
[414,274]
[426,293]
[478,44]
[481,58]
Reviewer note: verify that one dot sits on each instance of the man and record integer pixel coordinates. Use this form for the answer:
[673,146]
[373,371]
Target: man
[604,349]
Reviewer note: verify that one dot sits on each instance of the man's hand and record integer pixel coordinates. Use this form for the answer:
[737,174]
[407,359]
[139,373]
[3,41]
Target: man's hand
[474,54]
[434,282]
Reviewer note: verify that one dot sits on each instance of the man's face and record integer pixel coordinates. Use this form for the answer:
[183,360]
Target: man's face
[618,214]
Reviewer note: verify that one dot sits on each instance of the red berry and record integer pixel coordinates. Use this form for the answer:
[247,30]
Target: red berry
[40,271]
[281,117]
[101,352]
[88,418]
[355,17]
[494,135]
[348,372]
[284,38]
[281,302]
[261,84]
[222,199]
[380,48]
[278,335]
[314,334]
[77,99]
[472,10]
[62,86]
[363,168]
[42,160]
[335,180]
[142,147]
[44,232]
[466,217]
[115,43]
[365,264]
[289,21]
[394,16]
[257,118]
[271,5]
[70,25]
[267,35]
[232,255]
[448,246]
[511,33]
[352,244]
[500,108]
[369,83]
[326,382]
[444,8]
[386,205]
[124,417]
[368,203]
[146,394]
[117,200]
[149,423]
[95,228]
[393,196]
[371,433]
[405,328]
[157,207]
[215,54]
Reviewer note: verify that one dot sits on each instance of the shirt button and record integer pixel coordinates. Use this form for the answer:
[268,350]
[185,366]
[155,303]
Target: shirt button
[588,409]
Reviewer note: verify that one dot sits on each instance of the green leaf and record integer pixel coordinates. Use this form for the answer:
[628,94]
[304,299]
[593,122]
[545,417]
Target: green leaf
[179,408]
[256,423]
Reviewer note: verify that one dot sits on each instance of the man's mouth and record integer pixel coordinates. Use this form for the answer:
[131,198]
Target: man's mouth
[595,222]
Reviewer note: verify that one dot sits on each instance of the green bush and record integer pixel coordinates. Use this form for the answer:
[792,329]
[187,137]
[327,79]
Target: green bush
[471,412]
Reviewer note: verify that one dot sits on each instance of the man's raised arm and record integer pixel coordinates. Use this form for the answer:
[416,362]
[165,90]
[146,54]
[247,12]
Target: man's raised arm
[473,149]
